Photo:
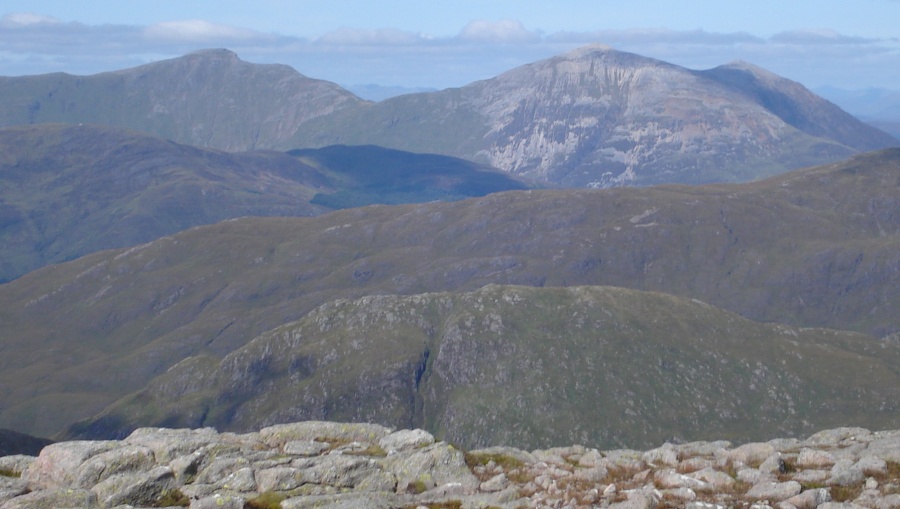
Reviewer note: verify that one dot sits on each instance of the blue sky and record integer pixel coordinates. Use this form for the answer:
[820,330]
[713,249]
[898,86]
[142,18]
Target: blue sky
[842,43]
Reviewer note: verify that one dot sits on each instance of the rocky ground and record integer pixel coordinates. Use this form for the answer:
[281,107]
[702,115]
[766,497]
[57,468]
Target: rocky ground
[333,465]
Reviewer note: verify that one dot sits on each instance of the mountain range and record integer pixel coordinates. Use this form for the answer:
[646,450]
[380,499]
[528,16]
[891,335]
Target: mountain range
[204,241]
[70,190]
[594,117]
[812,248]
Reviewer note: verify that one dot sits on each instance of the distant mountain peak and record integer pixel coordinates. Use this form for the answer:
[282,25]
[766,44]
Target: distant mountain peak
[218,53]
[757,71]
[589,49]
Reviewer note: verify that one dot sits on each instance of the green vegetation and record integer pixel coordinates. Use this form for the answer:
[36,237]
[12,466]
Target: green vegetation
[448,504]
[503,461]
[9,473]
[846,493]
[267,500]
[173,498]
[553,365]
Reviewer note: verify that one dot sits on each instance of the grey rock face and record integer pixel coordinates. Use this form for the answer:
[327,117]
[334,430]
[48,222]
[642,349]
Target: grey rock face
[53,498]
[122,460]
[11,487]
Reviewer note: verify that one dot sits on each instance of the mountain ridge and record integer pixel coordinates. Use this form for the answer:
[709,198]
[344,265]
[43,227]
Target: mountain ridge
[208,98]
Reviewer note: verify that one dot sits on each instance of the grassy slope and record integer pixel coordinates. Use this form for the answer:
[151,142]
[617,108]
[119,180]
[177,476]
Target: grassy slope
[818,247]
[535,367]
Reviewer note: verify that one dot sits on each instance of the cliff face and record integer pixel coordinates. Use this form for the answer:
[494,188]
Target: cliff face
[337,465]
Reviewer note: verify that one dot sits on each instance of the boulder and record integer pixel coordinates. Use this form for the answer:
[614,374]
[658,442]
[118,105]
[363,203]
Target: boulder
[57,465]
[405,439]
[809,499]
[121,460]
[814,458]
[440,463]
[774,491]
[752,454]
[143,489]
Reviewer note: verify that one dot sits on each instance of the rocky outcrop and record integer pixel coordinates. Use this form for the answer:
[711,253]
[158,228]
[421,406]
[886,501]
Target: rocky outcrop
[338,465]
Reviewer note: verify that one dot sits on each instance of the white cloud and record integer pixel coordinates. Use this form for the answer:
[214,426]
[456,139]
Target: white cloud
[24,19]
[662,35]
[819,37]
[361,37]
[196,30]
[503,32]
[35,44]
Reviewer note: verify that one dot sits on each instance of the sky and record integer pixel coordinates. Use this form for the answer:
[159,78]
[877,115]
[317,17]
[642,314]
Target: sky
[849,44]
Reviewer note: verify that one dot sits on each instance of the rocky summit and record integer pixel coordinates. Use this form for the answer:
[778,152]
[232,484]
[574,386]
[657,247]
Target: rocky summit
[335,465]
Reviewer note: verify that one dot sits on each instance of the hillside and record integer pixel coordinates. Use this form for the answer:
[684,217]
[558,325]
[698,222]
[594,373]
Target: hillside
[814,248]
[594,117]
[538,367]
[66,191]
[208,98]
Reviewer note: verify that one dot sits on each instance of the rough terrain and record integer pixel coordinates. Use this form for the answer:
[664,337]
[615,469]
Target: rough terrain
[334,465]
[814,248]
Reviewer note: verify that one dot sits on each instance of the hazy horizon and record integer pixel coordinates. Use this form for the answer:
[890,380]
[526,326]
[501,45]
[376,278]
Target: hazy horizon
[400,43]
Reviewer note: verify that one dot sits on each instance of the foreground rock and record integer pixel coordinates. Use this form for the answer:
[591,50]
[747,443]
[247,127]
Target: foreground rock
[335,465]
